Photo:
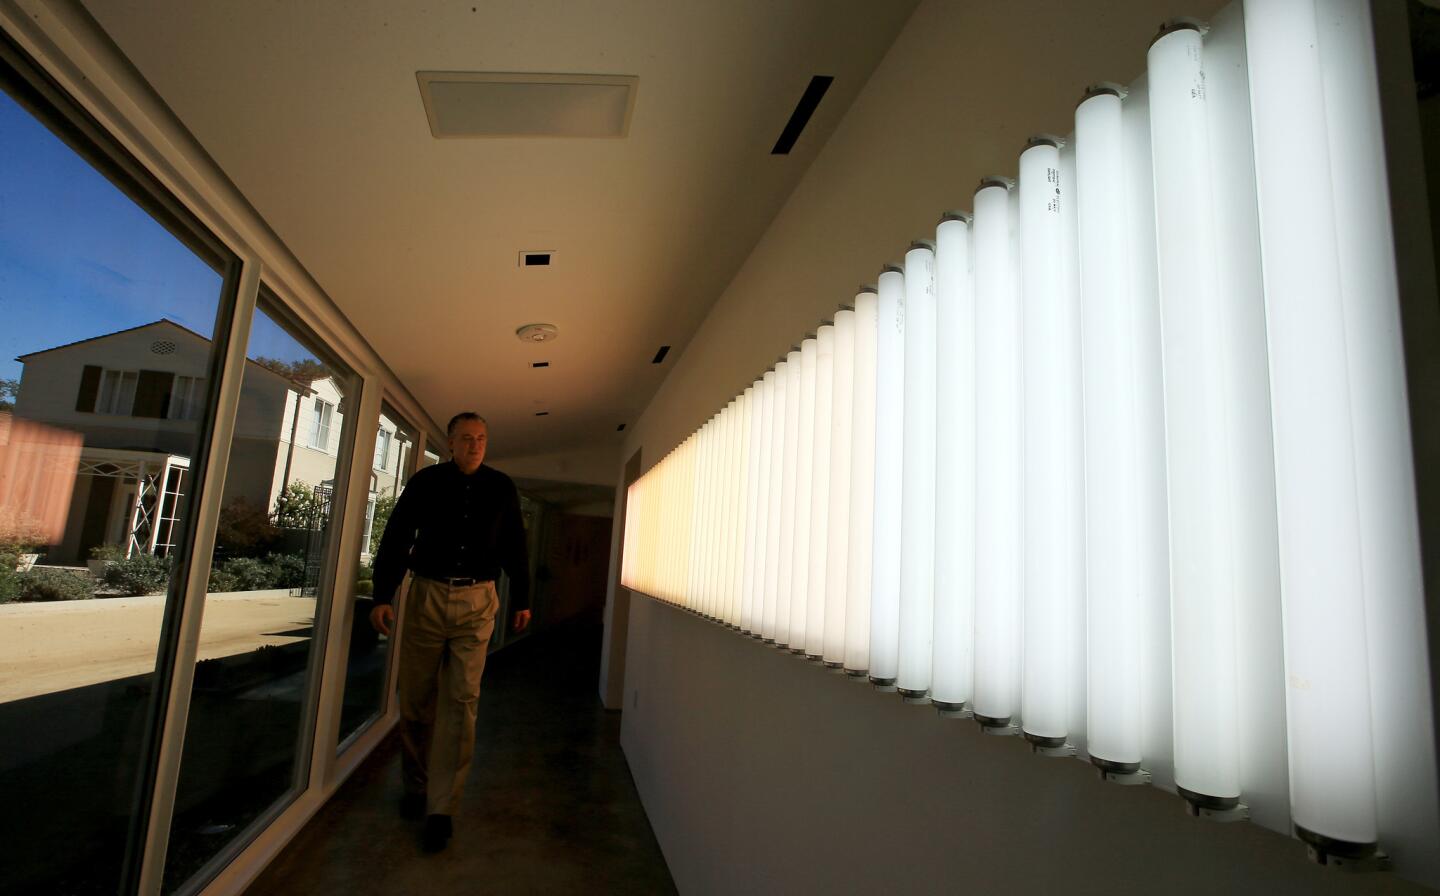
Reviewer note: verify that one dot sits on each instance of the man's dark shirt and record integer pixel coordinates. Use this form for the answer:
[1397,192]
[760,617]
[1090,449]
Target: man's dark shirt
[450,525]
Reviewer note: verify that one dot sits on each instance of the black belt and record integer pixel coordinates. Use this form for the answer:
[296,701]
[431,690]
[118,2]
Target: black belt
[455,581]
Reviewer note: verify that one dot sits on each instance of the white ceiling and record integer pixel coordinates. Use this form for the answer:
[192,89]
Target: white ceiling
[313,110]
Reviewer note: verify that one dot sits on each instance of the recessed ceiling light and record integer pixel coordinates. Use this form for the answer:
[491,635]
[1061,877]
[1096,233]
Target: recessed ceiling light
[537,332]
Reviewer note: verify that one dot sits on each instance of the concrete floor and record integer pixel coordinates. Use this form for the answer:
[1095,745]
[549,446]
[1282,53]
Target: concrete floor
[549,808]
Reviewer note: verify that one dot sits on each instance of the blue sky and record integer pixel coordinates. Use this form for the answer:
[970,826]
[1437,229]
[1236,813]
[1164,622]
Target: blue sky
[79,259]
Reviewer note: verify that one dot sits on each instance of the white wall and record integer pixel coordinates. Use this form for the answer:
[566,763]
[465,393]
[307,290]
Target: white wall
[762,773]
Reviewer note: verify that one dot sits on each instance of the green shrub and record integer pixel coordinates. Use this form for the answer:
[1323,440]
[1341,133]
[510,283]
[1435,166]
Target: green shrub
[42,584]
[244,529]
[383,508]
[286,570]
[248,574]
[364,587]
[221,581]
[9,578]
[140,574]
[107,552]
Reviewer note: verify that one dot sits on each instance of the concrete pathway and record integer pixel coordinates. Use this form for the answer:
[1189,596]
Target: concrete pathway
[550,807]
[56,646]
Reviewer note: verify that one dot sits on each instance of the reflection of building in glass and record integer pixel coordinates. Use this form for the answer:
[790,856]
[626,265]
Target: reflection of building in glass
[133,398]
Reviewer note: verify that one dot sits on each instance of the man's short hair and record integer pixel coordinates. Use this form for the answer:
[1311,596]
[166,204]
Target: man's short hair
[463,415]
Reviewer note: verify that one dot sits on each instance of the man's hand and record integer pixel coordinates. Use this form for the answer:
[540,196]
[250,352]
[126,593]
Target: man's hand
[522,620]
[382,618]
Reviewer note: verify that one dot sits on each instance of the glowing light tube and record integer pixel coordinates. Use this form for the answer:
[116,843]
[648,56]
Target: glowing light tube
[730,476]
[726,471]
[804,488]
[737,511]
[753,398]
[1119,440]
[700,542]
[1074,623]
[774,450]
[1318,285]
[1202,598]
[744,561]
[954,655]
[917,522]
[706,584]
[837,550]
[787,499]
[889,459]
[815,614]
[862,487]
[720,472]
[997,460]
[1054,545]
[692,546]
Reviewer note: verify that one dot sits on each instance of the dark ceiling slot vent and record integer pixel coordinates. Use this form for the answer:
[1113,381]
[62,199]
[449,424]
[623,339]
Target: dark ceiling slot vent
[537,259]
[620,428]
[660,355]
[542,413]
[801,116]
[539,363]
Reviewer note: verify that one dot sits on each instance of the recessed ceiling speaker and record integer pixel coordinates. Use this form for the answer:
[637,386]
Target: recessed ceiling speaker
[537,332]
[527,104]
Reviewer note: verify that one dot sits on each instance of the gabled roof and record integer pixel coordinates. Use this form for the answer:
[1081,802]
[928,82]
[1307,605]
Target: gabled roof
[164,320]
[301,385]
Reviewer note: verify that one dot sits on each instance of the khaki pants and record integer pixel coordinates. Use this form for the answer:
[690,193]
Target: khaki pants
[442,653]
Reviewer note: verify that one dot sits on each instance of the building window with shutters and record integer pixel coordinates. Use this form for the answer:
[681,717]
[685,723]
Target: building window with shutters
[323,413]
[117,392]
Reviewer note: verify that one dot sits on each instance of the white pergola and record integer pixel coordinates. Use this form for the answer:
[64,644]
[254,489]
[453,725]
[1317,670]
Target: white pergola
[160,485]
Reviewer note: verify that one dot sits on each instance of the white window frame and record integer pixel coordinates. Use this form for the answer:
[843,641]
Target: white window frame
[383,440]
[117,392]
[322,420]
[187,398]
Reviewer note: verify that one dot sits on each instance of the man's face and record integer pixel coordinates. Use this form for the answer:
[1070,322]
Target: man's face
[467,445]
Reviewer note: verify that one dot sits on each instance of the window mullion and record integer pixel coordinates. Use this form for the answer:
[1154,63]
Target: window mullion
[185,641]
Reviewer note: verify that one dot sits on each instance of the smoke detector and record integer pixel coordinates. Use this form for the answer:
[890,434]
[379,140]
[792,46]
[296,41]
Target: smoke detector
[537,332]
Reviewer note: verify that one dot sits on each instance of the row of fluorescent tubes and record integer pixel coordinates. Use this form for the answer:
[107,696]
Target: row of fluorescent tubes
[1051,470]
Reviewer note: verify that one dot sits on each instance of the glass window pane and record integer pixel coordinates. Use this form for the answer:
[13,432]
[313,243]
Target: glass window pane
[102,308]
[369,650]
[245,742]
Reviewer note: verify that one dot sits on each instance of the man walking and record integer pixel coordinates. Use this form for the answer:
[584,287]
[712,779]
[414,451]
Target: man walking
[456,525]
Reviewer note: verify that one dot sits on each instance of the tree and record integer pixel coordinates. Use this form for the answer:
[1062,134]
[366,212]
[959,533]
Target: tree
[304,370]
[9,391]
[297,507]
[383,506]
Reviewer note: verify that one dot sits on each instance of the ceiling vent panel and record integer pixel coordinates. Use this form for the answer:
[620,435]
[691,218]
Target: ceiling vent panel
[809,102]
[498,104]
